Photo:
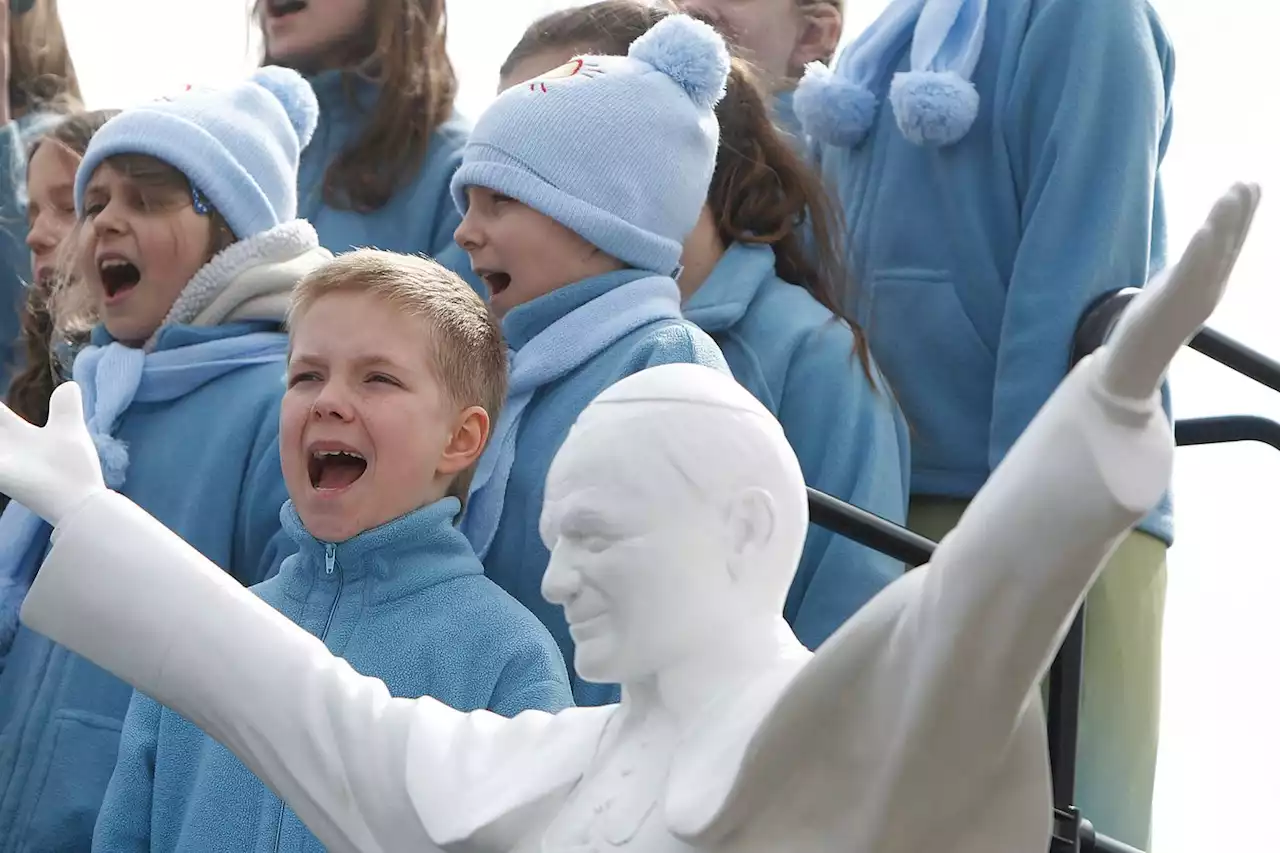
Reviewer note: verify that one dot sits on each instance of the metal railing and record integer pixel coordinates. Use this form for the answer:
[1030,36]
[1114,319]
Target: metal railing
[1073,833]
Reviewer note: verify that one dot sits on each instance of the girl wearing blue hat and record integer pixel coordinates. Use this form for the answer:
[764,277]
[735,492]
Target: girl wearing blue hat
[189,243]
[751,284]
[578,189]
[377,171]
[997,162]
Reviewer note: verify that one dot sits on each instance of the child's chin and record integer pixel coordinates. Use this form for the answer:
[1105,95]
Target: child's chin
[327,524]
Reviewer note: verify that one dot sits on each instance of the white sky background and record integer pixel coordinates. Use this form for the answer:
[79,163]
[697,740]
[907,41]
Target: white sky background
[1219,777]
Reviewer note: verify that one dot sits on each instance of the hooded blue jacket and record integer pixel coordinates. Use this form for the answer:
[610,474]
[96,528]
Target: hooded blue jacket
[406,602]
[974,261]
[60,715]
[791,353]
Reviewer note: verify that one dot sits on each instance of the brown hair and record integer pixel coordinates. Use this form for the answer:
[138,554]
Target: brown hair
[43,325]
[41,74]
[402,48]
[762,191]
[466,349]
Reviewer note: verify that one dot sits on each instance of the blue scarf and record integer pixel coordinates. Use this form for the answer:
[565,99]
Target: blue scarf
[552,354]
[111,378]
[934,103]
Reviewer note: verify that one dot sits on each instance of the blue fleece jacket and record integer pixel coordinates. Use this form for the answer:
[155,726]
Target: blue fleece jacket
[420,216]
[791,353]
[517,559]
[406,602]
[60,715]
[975,261]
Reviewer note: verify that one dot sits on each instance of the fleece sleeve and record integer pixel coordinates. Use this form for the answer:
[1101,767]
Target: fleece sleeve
[124,822]
[534,679]
[1088,120]
[678,343]
[261,545]
[845,434]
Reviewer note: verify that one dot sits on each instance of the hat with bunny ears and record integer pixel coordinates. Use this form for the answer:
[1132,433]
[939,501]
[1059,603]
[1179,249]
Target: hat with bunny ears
[934,103]
[237,145]
[620,150]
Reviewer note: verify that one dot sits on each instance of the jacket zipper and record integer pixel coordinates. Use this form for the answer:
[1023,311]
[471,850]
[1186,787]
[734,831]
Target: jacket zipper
[330,560]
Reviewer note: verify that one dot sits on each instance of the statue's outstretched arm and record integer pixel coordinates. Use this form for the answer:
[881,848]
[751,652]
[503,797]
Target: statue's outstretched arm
[134,598]
[1002,588]
[365,771]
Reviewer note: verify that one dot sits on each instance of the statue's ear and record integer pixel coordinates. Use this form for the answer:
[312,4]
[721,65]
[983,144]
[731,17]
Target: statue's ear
[752,520]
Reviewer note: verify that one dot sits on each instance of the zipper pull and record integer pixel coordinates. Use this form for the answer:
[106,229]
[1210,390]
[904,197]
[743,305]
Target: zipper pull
[330,554]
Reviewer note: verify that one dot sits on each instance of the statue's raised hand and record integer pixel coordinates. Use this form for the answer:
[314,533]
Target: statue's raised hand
[50,470]
[1176,303]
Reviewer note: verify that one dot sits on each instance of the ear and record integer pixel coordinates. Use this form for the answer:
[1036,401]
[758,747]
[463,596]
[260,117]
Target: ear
[466,442]
[752,518]
[821,25]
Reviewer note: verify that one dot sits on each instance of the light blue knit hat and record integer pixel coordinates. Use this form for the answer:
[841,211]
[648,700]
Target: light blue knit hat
[620,150]
[238,145]
[935,103]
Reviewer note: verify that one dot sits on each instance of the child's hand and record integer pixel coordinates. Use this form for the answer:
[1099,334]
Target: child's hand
[1178,301]
[52,470]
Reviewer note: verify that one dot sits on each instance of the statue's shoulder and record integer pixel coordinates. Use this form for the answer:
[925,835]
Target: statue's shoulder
[811,723]
[511,775]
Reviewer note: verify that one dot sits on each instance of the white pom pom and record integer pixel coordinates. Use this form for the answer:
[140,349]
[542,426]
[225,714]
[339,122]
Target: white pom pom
[691,53]
[295,95]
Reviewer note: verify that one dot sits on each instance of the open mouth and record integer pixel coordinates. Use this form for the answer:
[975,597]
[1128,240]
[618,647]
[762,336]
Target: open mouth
[495,281]
[281,8]
[118,276]
[335,470]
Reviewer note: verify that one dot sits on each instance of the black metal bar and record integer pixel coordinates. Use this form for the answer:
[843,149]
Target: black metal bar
[1240,358]
[1066,676]
[869,529]
[1223,430]
[1092,841]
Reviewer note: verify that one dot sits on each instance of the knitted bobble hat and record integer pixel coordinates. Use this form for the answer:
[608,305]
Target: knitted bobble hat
[238,145]
[618,149]
[935,102]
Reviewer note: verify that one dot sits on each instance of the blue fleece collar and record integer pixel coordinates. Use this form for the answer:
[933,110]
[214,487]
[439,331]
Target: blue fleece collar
[723,299]
[419,549]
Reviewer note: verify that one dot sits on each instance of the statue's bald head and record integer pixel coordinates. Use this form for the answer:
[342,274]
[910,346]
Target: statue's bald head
[684,431]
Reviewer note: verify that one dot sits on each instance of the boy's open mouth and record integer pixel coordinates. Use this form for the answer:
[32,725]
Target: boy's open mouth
[495,281]
[280,8]
[334,470]
[118,276]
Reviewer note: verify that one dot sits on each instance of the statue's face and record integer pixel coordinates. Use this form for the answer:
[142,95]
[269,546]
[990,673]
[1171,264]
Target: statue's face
[638,559]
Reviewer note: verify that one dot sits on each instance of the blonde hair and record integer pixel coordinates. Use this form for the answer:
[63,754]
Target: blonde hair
[466,350]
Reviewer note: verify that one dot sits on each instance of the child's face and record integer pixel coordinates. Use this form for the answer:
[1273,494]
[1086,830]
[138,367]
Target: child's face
[51,209]
[141,246]
[780,37]
[367,433]
[309,33]
[522,254]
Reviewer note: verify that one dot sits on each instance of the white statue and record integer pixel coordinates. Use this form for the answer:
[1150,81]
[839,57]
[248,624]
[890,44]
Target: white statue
[675,515]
